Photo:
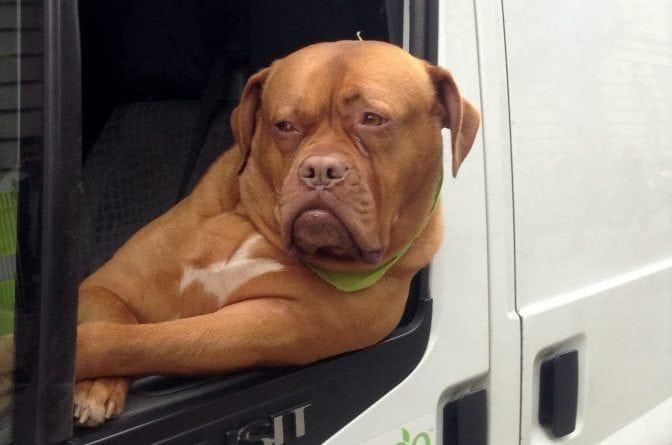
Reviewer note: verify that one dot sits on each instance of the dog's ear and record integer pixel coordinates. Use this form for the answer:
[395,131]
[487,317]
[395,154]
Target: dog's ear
[244,116]
[457,113]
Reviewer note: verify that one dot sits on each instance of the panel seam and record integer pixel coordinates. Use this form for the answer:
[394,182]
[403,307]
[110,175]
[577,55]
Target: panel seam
[513,217]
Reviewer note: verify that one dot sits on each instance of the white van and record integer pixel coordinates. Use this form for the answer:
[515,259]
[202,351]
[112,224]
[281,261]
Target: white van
[558,234]
[546,316]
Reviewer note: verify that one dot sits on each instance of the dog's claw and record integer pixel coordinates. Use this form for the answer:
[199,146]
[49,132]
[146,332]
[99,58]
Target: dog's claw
[84,417]
[109,409]
[76,410]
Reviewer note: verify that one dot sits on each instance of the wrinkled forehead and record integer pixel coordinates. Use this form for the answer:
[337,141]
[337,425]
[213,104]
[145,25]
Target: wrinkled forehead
[374,72]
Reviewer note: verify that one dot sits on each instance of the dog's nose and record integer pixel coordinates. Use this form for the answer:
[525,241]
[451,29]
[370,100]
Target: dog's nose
[322,171]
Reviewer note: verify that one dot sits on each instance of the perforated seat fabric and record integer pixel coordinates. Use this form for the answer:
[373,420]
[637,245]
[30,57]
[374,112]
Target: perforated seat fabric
[135,170]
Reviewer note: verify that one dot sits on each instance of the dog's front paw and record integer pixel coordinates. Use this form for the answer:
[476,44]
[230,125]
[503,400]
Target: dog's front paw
[99,400]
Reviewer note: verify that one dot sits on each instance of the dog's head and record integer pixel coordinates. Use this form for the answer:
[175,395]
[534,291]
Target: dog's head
[342,150]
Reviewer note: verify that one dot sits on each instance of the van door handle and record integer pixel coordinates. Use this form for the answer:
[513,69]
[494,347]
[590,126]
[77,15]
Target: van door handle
[558,393]
[465,420]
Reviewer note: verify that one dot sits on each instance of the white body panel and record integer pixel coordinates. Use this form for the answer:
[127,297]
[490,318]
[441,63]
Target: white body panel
[503,383]
[591,126]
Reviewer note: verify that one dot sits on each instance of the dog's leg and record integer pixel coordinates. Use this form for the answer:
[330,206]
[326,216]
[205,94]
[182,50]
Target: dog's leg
[257,332]
[100,399]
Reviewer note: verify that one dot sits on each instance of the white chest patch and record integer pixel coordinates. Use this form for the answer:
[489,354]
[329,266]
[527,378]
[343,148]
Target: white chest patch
[222,278]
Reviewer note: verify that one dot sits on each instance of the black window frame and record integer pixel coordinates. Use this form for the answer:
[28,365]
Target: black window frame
[48,241]
[48,281]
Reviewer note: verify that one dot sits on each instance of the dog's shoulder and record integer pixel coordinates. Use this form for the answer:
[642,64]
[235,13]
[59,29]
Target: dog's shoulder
[218,190]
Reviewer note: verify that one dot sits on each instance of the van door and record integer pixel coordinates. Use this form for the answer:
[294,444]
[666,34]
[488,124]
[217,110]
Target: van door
[591,132]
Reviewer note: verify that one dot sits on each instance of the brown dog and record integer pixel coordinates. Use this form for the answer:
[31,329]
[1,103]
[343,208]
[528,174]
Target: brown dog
[337,165]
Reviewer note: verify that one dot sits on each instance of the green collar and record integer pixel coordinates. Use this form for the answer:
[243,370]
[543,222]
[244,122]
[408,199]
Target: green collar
[353,281]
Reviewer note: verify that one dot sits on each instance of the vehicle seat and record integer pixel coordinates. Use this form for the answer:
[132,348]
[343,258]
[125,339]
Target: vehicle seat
[148,156]
[183,69]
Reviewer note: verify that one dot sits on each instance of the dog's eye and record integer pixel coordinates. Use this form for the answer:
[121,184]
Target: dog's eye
[372,119]
[285,126]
